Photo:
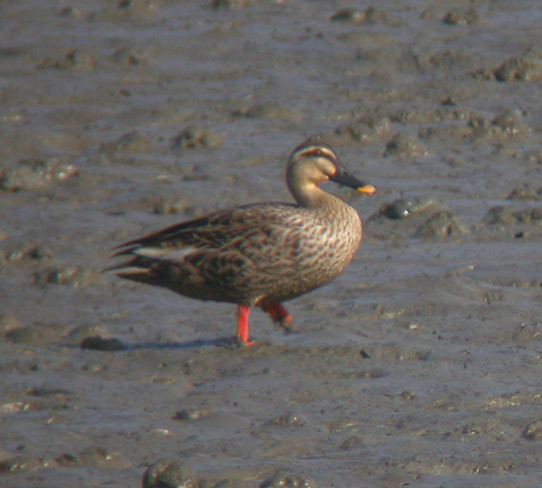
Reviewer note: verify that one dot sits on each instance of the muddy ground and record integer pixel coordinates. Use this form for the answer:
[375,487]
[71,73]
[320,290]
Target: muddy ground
[420,366]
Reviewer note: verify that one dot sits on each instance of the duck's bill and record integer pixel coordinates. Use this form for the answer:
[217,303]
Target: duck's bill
[343,177]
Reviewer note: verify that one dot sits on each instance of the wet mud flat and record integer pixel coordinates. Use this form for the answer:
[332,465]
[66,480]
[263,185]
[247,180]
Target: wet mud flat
[418,367]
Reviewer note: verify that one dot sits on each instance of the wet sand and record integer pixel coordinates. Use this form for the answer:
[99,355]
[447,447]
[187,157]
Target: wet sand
[419,366]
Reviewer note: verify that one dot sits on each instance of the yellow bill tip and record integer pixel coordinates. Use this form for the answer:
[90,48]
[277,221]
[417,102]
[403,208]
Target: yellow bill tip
[367,189]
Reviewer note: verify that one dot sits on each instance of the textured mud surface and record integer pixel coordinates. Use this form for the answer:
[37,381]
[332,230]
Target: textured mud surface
[420,366]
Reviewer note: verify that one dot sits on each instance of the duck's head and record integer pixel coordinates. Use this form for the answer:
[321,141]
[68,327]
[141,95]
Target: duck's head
[312,163]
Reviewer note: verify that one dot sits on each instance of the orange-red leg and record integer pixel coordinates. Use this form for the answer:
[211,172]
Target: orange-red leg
[280,315]
[243,334]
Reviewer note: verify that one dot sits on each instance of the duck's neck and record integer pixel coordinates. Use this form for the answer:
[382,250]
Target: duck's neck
[312,197]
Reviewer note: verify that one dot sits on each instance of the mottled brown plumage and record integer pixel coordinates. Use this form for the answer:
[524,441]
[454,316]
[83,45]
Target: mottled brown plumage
[259,254]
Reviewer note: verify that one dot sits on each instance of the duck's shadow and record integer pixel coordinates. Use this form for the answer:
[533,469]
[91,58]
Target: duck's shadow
[98,343]
[223,342]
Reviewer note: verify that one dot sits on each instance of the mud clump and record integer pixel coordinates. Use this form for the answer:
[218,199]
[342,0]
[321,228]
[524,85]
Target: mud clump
[36,174]
[75,60]
[506,216]
[129,143]
[461,17]
[370,16]
[30,251]
[365,129]
[8,323]
[169,474]
[229,4]
[268,111]
[190,414]
[23,463]
[197,137]
[527,67]
[441,225]
[37,334]
[94,457]
[284,480]
[533,431]
[404,145]
[525,193]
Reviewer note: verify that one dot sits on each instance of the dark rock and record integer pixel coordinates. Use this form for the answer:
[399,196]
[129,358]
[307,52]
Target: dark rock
[349,15]
[187,414]
[98,343]
[402,208]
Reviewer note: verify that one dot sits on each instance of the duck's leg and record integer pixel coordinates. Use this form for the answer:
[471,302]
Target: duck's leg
[280,316]
[243,334]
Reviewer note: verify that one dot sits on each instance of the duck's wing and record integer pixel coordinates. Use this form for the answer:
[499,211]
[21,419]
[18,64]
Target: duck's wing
[219,235]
